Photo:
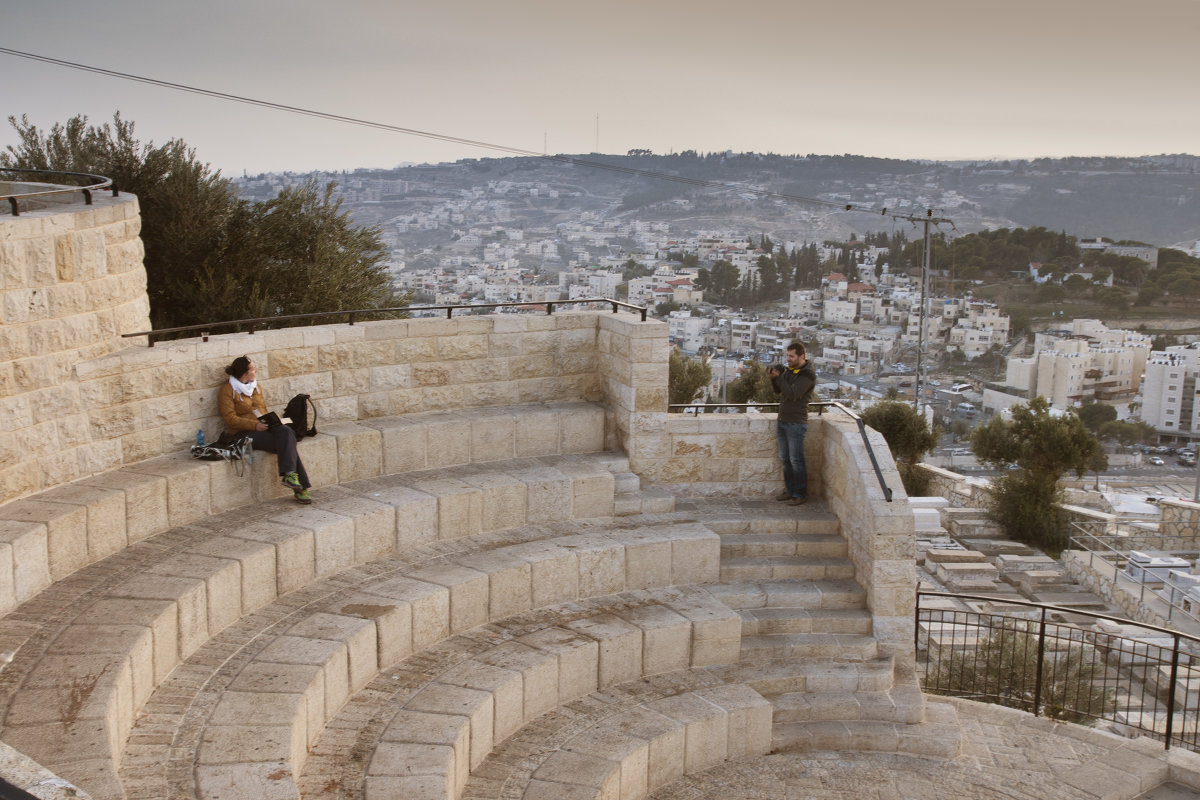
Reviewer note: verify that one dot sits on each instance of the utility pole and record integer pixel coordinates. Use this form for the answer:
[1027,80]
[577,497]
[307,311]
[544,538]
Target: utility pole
[926,264]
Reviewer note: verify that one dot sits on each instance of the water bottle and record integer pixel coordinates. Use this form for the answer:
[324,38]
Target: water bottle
[199,437]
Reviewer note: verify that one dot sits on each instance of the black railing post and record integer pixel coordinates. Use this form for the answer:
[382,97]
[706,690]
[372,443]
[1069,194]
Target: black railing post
[1171,693]
[351,317]
[549,309]
[16,208]
[1041,654]
[87,197]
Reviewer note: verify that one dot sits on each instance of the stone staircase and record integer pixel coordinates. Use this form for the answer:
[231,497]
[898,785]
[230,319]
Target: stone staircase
[807,643]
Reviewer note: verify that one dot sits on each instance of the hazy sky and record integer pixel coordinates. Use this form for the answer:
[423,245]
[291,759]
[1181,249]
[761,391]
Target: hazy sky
[939,79]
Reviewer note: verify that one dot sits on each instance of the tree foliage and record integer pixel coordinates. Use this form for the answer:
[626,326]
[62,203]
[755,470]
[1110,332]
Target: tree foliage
[210,255]
[686,377]
[753,386]
[1003,669]
[909,438]
[1041,447]
[1094,415]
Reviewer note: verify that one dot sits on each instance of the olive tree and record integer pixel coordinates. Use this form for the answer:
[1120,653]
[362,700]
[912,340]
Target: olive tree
[1040,447]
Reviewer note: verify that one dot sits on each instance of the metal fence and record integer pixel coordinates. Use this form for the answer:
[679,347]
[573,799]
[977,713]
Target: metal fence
[1062,663]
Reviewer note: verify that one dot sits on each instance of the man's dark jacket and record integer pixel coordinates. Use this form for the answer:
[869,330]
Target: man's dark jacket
[795,387]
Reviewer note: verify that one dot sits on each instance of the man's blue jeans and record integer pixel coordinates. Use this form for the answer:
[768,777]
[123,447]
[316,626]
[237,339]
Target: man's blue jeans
[791,453]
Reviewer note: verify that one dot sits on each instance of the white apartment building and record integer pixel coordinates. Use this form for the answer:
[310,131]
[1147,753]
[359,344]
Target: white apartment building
[687,331]
[1169,391]
[805,304]
[1090,361]
[839,312]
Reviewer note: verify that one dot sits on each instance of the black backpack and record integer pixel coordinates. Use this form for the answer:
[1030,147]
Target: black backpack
[297,411]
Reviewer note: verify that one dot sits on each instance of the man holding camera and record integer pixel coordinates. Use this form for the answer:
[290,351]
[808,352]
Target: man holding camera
[794,382]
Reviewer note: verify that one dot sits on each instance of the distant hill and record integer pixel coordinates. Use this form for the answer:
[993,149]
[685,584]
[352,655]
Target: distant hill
[1154,199]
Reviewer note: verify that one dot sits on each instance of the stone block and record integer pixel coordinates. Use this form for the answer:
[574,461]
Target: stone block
[260,780]
[393,624]
[749,718]
[581,428]
[189,596]
[601,776]
[716,629]
[230,490]
[295,552]
[706,743]
[233,744]
[460,506]
[666,637]
[503,502]
[506,687]
[29,556]
[359,636]
[647,558]
[330,658]
[547,493]
[539,672]
[403,443]
[333,537]
[66,532]
[188,492]
[554,572]
[374,525]
[160,617]
[695,555]
[145,501]
[536,432]
[631,753]
[256,567]
[510,588]
[601,564]
[475,705]
[222,581]
[468,590]
[359,451]
[578,660]
[450,730]
[416,515]
[430,607]
[592,489]
[619,647]
[447,441]
[236,709]
[493,435]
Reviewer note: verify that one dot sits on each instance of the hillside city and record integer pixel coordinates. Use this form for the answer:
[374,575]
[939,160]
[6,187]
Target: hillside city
[508,241]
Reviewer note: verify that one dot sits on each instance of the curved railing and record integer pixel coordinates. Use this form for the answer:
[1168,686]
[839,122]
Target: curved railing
[1032,657]
[250,325]
[97,182]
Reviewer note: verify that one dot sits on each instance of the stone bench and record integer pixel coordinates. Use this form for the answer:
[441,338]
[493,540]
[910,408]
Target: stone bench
[48,536]
[295,685]
[78,705]
[451,725]
[649,746]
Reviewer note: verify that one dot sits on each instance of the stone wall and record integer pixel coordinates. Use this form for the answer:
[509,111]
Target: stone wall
[71,281]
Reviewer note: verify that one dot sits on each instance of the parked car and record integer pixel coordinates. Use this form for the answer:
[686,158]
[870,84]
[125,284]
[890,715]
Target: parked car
[1185,460]
[1155,460]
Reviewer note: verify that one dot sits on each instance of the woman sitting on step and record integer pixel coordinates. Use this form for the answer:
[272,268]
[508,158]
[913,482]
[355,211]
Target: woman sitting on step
[241,403]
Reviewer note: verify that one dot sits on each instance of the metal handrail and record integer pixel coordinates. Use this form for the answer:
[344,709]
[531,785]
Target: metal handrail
[351,314]
[820,406]
[1184,651]
[98,182]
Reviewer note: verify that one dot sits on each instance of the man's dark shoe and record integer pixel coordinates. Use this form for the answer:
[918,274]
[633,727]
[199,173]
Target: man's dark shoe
[784,495]
[797,501]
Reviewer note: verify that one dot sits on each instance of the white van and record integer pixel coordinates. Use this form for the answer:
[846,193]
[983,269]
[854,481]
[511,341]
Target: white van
[966,408]
[960,387]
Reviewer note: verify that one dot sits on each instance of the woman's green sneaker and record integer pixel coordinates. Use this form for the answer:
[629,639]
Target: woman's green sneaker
[303,497]
[292,481]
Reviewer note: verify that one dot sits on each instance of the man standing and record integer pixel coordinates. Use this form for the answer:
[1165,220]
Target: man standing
[794,383]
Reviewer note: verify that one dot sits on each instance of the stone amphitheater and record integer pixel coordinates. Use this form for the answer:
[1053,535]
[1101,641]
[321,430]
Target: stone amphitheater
[520,577]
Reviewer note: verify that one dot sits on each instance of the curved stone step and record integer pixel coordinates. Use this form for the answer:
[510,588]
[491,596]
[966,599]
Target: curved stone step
[777,677]
[742,545]
[852,647]
[827,594]
[938,736]
[776,620]
[776,568]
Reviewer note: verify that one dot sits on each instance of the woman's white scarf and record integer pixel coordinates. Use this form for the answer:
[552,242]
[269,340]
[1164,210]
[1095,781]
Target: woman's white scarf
[246,389]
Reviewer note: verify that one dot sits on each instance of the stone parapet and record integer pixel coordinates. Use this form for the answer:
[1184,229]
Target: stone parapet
[71,281]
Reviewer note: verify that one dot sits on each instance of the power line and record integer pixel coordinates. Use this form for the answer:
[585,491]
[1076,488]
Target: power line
[579,162]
